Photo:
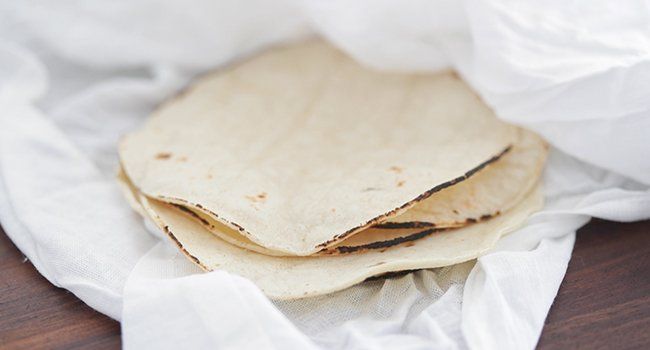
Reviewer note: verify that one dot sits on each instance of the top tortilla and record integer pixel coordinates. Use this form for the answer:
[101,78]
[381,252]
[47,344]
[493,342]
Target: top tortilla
[301,147]
[491,191]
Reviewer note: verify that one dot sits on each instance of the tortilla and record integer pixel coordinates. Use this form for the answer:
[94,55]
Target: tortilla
[300,147]
[370,238]
[215,227]
[298,277]
[494,189]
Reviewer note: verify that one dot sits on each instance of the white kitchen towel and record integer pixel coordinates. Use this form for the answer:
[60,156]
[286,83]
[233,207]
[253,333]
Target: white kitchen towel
[75,75]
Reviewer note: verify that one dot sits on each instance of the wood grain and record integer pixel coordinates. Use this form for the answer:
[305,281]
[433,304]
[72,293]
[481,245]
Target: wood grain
[603,303]
[604,300]
[36,315]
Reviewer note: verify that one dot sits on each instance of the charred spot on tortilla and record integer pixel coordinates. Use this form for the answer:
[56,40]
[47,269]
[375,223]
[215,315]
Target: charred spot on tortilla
[178,243]
[388,275]
[422,224]
[417,199]
[402,225]
[400,183]
[395,169]
[192,214]
[199,206]
[163,155]
[384,244]
[489,216]
[260,197]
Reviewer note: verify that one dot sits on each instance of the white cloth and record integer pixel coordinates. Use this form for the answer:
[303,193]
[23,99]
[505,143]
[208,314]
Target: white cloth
[75,75]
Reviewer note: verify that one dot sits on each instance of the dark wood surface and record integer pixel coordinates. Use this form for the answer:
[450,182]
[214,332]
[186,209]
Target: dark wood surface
[603,303]
[604,300]
[34,314]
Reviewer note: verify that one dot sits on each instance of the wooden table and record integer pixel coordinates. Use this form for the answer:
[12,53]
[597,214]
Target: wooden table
[604,301]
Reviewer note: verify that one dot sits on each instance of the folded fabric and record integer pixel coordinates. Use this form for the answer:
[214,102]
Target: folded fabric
[75,76]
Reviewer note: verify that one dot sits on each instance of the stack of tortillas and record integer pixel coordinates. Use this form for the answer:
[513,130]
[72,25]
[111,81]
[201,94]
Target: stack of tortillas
[307,173]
